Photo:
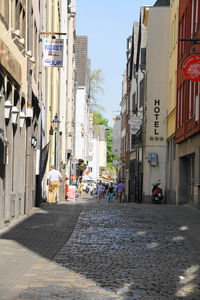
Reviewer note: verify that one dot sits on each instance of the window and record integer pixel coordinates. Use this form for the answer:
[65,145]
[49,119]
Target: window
[194,17]
[17,14]
[197,108]
[190,98]
[141,93]
[133,103]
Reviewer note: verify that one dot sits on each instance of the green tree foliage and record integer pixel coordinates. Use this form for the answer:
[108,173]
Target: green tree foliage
[95,89]
[98,119]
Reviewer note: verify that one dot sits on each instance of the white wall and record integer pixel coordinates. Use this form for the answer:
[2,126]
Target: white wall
[94,163]
[116,141]
[80,119]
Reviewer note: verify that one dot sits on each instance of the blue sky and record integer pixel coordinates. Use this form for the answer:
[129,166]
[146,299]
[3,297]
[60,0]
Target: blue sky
[108,23]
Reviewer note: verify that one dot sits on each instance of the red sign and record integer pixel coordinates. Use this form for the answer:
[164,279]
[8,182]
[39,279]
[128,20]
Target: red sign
[191,67]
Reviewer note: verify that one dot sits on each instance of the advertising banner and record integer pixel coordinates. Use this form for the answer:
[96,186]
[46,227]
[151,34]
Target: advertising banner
[71,193]
[53,52]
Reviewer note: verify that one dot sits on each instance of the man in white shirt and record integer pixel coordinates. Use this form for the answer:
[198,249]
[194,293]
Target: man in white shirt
[53,180]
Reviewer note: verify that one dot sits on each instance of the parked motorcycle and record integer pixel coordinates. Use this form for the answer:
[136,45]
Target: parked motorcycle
[157,193]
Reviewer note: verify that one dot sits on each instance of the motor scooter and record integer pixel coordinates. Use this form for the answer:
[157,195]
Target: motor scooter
[157,193]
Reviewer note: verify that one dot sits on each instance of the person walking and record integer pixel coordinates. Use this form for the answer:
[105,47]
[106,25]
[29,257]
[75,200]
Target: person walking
[100,189]
[120,191]
[110,193]
[53,180]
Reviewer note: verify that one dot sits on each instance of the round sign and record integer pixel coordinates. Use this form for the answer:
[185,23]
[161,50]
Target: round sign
[191,67]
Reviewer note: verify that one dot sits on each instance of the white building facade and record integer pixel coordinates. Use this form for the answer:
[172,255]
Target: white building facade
[154,155]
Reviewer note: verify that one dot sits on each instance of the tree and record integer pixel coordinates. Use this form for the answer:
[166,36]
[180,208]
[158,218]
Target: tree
[98,119]
[95,88]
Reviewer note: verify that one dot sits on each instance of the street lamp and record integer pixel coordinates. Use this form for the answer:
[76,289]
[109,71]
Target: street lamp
[55,124]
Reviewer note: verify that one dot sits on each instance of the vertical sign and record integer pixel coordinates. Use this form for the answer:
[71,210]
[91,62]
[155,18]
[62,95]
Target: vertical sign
[53,52]
[72,193]
[90,134]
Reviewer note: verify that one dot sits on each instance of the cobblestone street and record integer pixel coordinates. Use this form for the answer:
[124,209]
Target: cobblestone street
[116,251]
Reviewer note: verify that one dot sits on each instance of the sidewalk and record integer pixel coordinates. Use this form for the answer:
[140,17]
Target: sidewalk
[41,234]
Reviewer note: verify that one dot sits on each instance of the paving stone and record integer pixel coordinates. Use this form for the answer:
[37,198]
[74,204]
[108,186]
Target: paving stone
[112,251]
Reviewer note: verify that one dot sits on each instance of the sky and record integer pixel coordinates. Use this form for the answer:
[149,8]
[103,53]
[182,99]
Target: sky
[108,24]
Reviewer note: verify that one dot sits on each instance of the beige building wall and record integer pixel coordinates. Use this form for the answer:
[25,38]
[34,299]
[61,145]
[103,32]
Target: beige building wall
[70,83]
[15,200]
[171,168]
[156,97]
[53,77]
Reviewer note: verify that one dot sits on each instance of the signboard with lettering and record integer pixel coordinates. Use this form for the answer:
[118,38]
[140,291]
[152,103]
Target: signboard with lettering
[191,67]
[53,52]
[135,121]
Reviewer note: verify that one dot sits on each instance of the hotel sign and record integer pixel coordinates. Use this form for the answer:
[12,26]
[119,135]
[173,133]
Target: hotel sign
[8,61]
[191,67]
[53,52]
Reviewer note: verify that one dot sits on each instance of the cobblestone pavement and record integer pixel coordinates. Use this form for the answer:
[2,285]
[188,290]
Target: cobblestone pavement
[116,251]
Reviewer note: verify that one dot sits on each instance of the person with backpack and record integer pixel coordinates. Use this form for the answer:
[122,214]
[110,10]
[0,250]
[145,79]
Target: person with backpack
[110,193]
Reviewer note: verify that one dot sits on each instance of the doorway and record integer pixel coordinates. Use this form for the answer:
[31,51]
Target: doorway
[190,178]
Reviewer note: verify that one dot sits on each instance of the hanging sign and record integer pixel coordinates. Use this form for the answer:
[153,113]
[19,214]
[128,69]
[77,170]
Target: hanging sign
[191,67]
[53,52]
[135,121]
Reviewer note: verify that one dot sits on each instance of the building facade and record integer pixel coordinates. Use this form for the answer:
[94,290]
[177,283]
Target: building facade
[154,137]
[187,108]
[171,170]
[20,110]
[32,96]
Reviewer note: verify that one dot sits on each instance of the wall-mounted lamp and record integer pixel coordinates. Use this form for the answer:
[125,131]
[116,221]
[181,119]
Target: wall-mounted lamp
[33,142]
[29,53]
[55,123]
[16,33]
[15,112]
[7,109]
[29,111]
[22,118]
[32,59]
[22,41]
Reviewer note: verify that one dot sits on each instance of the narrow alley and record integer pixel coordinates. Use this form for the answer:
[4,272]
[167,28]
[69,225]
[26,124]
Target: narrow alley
[89,250]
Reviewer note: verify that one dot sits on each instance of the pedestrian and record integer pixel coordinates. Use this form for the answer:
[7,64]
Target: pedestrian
[110,193]
[91,190]
[53,180]
[120,191]
[100,190]
[115,190]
